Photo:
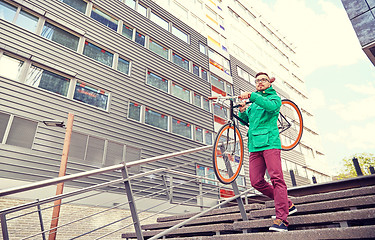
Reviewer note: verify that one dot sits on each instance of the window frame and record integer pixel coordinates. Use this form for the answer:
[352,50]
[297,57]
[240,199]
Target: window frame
[63,28]
[20,9]
[106,16]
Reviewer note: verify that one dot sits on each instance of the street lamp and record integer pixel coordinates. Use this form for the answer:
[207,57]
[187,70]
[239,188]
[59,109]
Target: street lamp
[63,165]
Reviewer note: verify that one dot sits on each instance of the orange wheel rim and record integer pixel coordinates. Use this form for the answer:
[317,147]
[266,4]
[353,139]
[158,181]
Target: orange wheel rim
[231,179]
[300,125]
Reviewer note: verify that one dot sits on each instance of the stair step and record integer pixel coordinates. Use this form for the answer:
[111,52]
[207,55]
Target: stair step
[330,195]
[212,229]
[217,211]
[263,213]
[312,219]
[361,232]
[321,206]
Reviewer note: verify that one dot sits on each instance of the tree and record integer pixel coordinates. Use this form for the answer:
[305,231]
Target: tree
[365,160]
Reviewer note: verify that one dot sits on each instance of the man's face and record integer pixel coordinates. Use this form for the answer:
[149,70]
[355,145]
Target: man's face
[262,82]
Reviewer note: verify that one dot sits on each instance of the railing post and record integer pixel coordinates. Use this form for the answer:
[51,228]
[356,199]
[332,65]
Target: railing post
[372,171]
[171,185]
[4,227]
[234,186]
[133,209]
[357,167]
[314,179]
[293,178]
[41,220]
[201,195]
[166,187]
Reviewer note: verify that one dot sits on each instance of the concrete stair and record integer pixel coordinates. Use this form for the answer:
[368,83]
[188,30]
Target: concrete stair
[340,214]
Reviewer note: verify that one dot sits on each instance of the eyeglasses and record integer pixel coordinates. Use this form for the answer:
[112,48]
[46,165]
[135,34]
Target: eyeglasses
[262,80]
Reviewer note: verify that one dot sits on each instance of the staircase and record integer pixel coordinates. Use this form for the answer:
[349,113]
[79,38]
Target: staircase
[338,214]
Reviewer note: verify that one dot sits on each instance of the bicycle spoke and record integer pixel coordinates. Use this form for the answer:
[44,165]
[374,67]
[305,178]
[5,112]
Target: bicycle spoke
[228,154]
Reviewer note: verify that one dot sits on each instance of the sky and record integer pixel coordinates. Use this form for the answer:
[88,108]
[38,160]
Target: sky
[339,77]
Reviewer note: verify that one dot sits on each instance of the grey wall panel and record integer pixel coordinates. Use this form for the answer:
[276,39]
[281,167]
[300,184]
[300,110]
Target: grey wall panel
[37,104]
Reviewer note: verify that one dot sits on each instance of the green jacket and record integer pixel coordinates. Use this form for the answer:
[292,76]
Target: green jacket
[262,117]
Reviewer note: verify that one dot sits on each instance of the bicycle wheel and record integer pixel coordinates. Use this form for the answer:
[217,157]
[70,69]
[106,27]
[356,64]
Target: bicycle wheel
[228,153]
[290,124]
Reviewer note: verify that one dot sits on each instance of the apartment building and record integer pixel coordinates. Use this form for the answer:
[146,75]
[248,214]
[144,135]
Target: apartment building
[137,76]
[362,19]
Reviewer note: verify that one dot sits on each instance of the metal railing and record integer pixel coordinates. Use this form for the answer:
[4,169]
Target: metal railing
[163,194]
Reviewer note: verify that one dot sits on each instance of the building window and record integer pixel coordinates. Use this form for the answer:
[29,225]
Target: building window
[22,133]
[156,119]
[123,66]
[215,81]
[60,36]
[229,90]
[130,3]
[27,21]
[134,111]
[159,21]
[181,128]
[204,75]
[23,19]
[47,80]
[199,134]
[180,92]
[10,67]
[4,120]
[218,61]
[133,154]
[197,100]
[220,111]
[127,31]
[76,4]
[181,61]
[206,104]
[114,153]
[157,81]
[104,18]
[87,149]
[180,34]
[140,38]
[208,137]
[7,11]
[98,54]
[92,96]
[142,10]
[206,172]
[158,49]
[202,48]
[196,70]
[95,151]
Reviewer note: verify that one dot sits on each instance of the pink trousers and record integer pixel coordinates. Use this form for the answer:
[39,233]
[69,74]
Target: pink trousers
[270,160]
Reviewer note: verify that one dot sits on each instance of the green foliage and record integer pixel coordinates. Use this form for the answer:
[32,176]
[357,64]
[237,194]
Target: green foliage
[365,160]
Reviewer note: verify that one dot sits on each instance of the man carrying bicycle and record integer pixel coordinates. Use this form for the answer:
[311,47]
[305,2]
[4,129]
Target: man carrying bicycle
[265,147]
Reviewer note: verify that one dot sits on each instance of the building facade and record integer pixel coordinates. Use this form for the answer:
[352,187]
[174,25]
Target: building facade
[361,15]
[137,76]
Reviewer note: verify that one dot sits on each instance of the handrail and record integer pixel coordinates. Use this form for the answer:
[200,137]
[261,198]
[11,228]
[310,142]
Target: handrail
[54,181]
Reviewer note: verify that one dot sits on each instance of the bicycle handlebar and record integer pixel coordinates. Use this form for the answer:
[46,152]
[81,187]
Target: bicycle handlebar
[225,97]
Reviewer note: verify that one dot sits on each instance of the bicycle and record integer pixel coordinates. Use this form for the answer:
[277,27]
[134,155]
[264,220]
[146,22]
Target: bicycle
[228,148]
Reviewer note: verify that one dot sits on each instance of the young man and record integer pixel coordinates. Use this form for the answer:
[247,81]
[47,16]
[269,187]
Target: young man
[265,146]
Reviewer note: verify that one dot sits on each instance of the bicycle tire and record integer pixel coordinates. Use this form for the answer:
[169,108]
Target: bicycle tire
[219,159]
[292,131]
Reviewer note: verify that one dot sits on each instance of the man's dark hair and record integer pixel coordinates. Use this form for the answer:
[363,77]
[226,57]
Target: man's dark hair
[261,73]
